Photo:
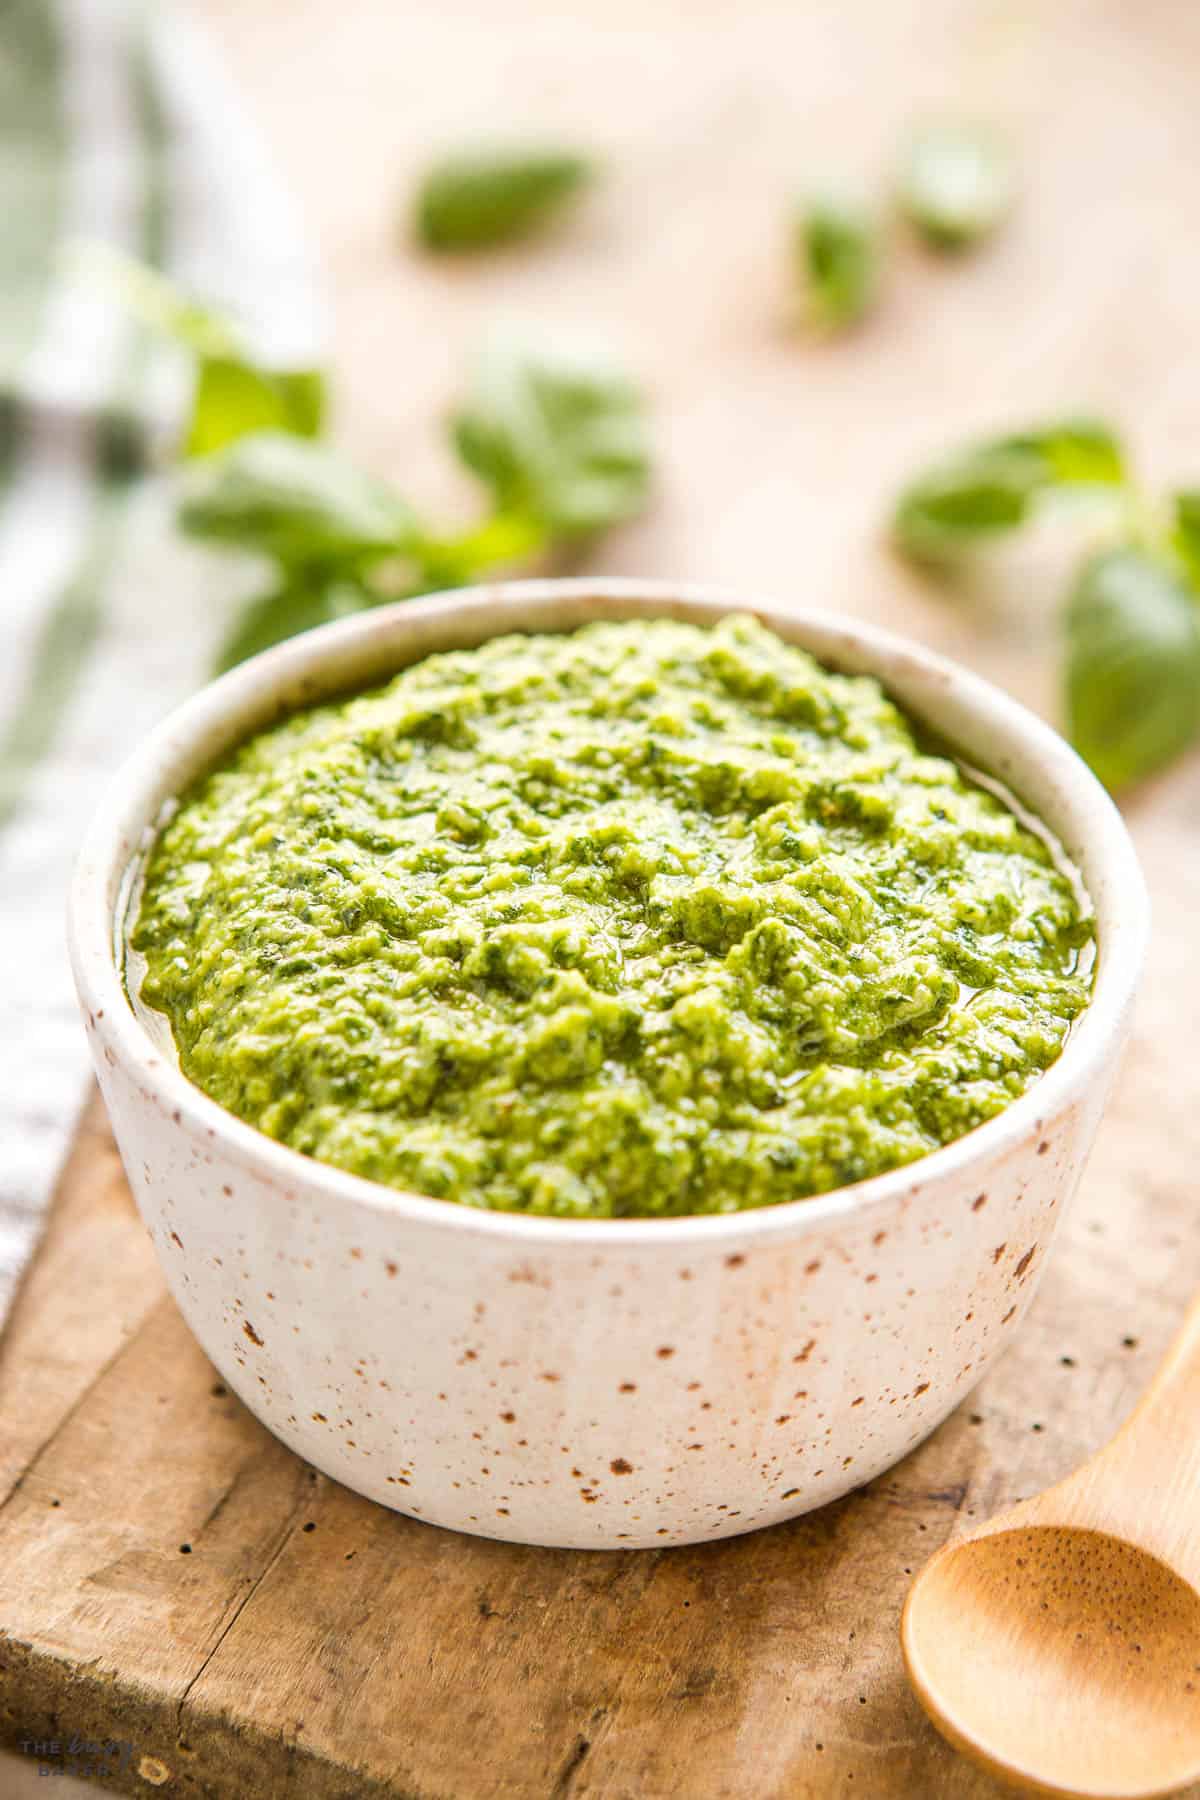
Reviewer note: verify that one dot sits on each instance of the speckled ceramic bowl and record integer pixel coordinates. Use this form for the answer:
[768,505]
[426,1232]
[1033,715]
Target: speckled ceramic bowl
[613,1383]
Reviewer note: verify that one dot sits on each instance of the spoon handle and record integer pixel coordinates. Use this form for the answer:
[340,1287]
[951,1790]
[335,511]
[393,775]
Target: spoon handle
[1145,1484]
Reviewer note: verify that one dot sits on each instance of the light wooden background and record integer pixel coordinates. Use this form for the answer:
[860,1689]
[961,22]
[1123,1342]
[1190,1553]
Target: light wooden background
[374,1655]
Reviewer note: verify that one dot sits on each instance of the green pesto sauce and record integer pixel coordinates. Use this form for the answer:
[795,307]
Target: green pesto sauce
[644,919]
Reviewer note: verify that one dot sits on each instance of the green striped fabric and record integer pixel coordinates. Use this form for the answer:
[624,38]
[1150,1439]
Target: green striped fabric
[116,126]
[32,158]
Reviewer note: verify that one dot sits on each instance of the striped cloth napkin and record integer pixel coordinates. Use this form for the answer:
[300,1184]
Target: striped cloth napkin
[115,126]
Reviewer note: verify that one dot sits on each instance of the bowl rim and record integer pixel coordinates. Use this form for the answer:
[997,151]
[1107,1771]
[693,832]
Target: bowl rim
[230,708]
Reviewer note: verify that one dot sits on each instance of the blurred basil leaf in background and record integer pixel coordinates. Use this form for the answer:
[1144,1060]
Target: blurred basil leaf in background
[492,194]
[1186,534]
[958,504]
[836,250]
[300,502]
[303,603]
[556,431]
[1133,665]
[1072,452]
[956,183]
[498,541]
[990,488]
[233,393]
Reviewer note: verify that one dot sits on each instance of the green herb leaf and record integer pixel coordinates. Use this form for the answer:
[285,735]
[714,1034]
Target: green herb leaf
[491,196]
[1073,452]
[298,606]
[980,495]
[991,487]
[503,539]
[295,500]
[836,247]
[234,394]
[1133,666]
[557,432]
[232,400]
[1186,536]
[957,183]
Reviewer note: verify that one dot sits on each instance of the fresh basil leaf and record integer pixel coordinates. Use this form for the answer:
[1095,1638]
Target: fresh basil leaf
[1133,666]
[299,605]
[1073,452]
[233,400]
[295,500]
[957,504]
[836,247]
[556,431]
[957,183]
[487,196]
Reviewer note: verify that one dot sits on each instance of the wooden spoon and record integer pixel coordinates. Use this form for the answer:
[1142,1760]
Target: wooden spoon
[1059,1644]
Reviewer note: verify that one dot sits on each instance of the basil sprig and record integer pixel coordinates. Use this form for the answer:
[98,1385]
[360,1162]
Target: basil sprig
[1131,677]
[555,431]
[560,443]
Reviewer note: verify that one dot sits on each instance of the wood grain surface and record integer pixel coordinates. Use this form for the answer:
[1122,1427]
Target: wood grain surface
[306,1642]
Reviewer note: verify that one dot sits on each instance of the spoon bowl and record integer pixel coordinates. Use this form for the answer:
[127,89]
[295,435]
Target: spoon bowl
[1059,1644]
[1061,1657]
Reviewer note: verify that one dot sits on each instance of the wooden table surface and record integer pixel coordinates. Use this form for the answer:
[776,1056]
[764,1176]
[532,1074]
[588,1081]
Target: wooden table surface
[309,1643]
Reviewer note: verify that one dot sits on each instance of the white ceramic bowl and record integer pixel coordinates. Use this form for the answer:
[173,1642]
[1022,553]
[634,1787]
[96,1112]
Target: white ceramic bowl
[617,1382]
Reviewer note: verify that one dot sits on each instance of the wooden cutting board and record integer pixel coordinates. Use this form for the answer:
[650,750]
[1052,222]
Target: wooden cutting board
[173,1579]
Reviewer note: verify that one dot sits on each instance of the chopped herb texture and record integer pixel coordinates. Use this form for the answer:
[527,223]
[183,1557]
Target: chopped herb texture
[642,919]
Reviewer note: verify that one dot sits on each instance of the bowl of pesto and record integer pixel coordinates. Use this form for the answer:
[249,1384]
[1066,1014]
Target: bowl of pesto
[602,1063]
